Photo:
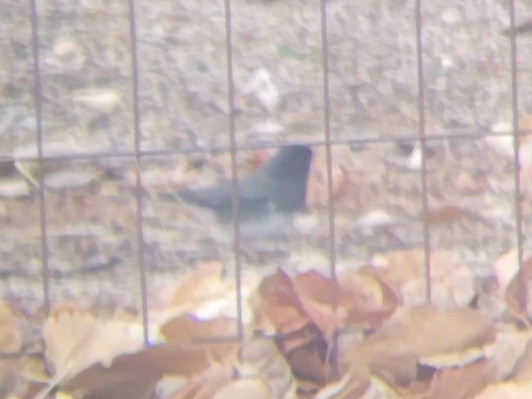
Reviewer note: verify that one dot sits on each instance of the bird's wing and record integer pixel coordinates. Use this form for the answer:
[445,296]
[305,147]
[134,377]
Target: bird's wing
[252,197]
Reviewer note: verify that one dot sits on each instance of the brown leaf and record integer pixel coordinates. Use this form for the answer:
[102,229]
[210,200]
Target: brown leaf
[394,351]
[523,368]
[509,349]
[450,214]
[187,328]
[245,388]
[317,295]
[519,300]
[452,282]
[9,373]
[347,387]
[10,343]
[458,383]
[506,267]
[266,359]
[318,189]
[10,335]
[372,300]
[506,390]
[261,367]
[75,340]
[306,352]
[277,300]
[133,376]
[207,383]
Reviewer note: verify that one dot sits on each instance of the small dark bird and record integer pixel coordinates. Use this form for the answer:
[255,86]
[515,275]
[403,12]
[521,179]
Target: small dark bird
[525,27]
[267,198]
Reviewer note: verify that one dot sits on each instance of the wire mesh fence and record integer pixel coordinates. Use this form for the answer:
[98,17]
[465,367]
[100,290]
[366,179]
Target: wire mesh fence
[110,108]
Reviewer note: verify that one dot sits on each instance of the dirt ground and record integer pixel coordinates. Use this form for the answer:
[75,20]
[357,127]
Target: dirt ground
[87,110]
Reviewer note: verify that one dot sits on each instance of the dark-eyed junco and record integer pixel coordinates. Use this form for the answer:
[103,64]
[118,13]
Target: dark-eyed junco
[525,27]
[267,198]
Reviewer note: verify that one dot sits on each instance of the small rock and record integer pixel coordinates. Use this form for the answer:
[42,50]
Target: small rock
[451,16]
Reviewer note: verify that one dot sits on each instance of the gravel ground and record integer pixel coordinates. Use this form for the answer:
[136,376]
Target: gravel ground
[87,106]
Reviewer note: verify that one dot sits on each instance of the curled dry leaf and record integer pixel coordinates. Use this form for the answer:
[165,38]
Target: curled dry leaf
[98,99]
[134,376]
[260,84]
[371,300]
[458,383]
[201,292]
[317,190]
[187,328]
[10,342]
[10,335]
[300,319]
[318,295]
[75,340]
[276,304]
[452,282]
[26,158]
[14,188]
[506,267]
[507,350]
[518,300]
[523,369]
[346,387]
[506,390]
[450,214]
[359,297]
[245,388]
[395,350]
[260,372]
[70,179]
[206,383]
[266,359]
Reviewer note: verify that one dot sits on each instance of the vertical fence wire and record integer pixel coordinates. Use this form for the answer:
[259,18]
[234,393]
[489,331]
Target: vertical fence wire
[138,176]
[39,139]
[328,158]
[423,145]
[517,166]
[234,172]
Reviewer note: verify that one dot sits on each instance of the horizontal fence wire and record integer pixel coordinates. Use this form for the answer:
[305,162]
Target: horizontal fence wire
[458,134]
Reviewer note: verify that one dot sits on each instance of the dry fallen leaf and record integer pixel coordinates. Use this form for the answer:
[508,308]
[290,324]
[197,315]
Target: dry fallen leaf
[266,359]
[245,388]
[10,335]
[506,267]
[506,390]
[458,383]
[318,295]
[75,340]
[452,281]
[394,351]
[206,383]
[10,343]
[518,299]
[370,300]
[134,376]
[201,292]
[188,328]
[261,371]
[317,189]
[450,214]
[345,388]
[276,304]
[522,371]
[102,100]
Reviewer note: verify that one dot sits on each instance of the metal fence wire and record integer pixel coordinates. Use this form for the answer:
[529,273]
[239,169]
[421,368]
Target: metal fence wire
[171,86]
